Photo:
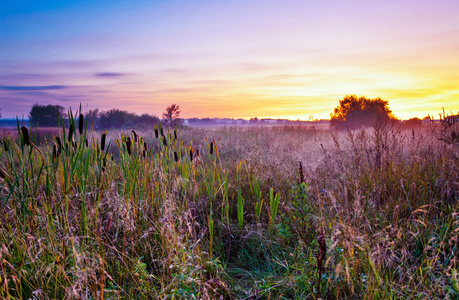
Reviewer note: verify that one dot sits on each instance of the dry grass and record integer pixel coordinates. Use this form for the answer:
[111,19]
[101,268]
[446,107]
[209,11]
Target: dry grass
[375,216]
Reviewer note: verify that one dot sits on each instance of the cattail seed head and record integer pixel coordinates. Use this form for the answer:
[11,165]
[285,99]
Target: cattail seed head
[128,145]
[5,145]
[2,174]
[81,124]
[71,131]
[191,155]
[156,133]
[164,140]
[136,137]
[211,148]
[25,135]
[197,152]
[145,148]
[87,143]
[175,156]
[54,151]
[175,133]
[59,143]
[102,141]
[162,132]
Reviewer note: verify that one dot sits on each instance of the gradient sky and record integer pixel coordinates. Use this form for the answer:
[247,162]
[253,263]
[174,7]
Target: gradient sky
[239,59]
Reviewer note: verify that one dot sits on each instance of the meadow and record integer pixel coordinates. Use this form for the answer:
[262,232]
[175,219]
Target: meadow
[282,212]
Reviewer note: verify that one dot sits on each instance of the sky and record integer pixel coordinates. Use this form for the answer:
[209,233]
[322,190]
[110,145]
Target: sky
[229,59]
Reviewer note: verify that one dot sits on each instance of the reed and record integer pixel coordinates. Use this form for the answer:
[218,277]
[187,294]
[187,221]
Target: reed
[366,214]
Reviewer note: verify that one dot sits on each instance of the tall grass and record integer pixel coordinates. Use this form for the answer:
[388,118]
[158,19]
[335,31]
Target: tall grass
[226,213]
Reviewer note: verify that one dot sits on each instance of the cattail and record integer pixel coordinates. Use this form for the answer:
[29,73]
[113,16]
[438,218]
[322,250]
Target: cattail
[211,148]
[175,133]
[191,155]
[145,148]
[136,137]
[128,145]
[25,135]
[71,131]
[156,133]
[175,156]
[104,162]
[162,132]
[80,124]
[5,145]
[197,152]
[102,141]
[301,174]
[144,153]
[2,174]
[59,143]
[54,151]
[87,143]
[164,140]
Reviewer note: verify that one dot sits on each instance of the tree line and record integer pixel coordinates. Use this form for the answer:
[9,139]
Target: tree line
[48,116]
[352,112]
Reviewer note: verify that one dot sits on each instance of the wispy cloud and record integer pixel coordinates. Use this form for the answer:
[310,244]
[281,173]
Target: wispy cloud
[109,74]
[33,88]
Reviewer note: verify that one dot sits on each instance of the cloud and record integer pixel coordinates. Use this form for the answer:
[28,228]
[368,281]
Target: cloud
[109,74]
[33,88]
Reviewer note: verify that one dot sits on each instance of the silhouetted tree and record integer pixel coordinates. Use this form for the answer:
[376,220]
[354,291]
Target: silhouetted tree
[171,116]
[45,115]
[93,117]
[115,118]
[145,121]
[354,112]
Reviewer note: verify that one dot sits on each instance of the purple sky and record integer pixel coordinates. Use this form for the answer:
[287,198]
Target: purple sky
[281,59]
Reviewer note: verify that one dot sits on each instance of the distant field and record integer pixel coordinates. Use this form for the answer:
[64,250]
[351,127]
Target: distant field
[230,213]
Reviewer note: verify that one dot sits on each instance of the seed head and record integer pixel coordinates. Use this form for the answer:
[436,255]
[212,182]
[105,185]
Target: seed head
[175,156]
[191,155]
[54,151]
[211,148]
[71,131]
[156,133]
[59,143]
[81,124]
[128,145]
[102,141]
[136,137]
[25,135]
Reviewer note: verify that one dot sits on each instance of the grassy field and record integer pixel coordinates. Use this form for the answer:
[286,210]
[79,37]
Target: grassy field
[229,213]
